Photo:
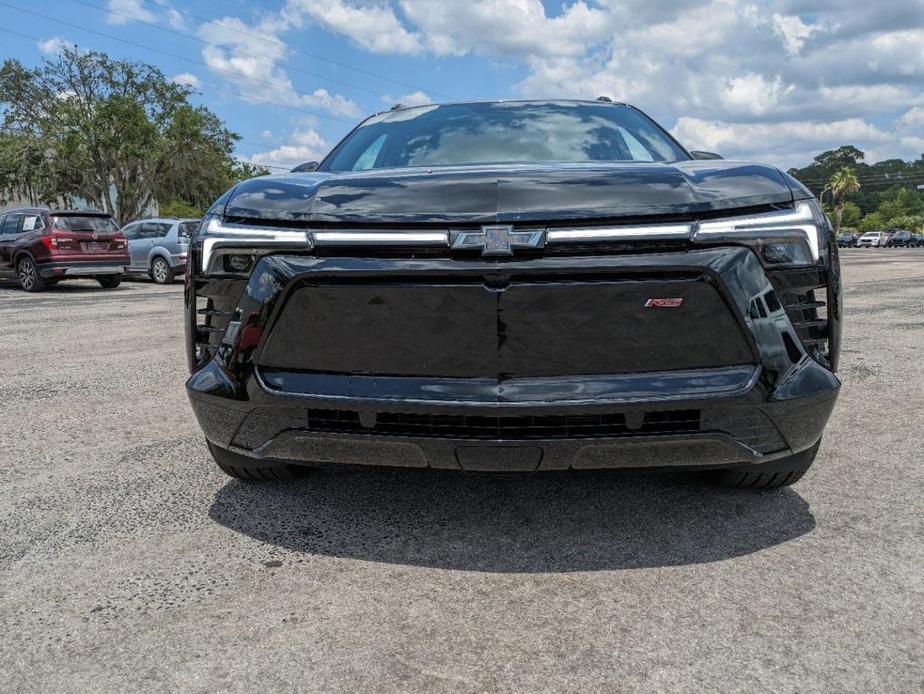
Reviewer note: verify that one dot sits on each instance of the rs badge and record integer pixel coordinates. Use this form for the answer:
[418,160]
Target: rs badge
[675,302]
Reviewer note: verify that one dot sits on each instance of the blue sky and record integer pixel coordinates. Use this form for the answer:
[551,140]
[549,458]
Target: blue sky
[776,81]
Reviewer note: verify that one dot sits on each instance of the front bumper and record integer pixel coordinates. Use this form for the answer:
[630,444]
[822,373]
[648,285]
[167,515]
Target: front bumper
[256,398]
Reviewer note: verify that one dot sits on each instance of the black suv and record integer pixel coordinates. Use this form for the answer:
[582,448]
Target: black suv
[514,286]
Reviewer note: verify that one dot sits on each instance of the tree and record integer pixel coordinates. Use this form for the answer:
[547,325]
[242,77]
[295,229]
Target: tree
[900,202]
[910,222]
[842,182]
[116,133]
[872,222]
[850,214]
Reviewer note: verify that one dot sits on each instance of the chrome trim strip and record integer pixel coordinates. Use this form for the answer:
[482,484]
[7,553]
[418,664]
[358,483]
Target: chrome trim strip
[648,231]
[380,238]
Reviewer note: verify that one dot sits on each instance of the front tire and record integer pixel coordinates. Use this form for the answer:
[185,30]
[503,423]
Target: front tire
[28,274]
[240,467]
[109,281]
[780,473]
[160,271]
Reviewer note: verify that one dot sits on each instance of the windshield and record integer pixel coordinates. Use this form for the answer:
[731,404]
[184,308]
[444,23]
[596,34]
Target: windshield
[83,223]
[503,132]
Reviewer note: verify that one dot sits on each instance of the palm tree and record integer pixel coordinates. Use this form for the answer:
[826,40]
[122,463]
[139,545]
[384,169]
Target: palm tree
[843,181]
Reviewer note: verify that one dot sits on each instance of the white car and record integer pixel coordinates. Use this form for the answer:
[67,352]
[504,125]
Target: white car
[872,238]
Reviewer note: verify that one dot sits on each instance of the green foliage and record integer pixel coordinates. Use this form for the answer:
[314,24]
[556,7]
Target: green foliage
[911,222]
[242,170]
[878,181]
[871,222]
[843,181]
[851,214]
[903,201]
[116,133]
[180,208]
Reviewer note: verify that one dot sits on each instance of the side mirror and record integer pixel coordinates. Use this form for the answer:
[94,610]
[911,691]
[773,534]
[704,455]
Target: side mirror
[306,167]
[700,154]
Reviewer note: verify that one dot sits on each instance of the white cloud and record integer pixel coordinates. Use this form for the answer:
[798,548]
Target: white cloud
[127,11]
[784,143]
[793,31]
[303,146]
[511,27]
[753,93]
[54,45]
[252,66]
[417,98]
[186,78]
[913,117]
[374,26]
[175,19]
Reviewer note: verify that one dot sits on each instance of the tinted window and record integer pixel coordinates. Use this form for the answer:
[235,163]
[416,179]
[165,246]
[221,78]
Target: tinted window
[131,231]
[11,224]
[503,132]
[75,222]
[155,230]
[187,229]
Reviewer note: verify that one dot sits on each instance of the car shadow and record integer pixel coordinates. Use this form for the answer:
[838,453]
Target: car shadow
[548,522]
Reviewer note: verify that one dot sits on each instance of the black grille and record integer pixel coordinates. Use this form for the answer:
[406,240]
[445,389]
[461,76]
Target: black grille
[801,292]
[507,427]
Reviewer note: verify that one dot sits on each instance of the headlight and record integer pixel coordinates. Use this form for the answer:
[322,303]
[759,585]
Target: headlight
[219,238]
[787,237]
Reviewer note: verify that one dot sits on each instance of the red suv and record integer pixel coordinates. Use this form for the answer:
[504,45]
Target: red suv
[41,247]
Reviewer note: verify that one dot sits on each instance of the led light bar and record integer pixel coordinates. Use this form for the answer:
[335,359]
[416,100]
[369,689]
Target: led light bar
[616,233]
[380,238]
[801,219]
[218,234]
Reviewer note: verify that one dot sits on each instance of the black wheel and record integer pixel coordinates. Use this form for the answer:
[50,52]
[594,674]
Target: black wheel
[109,281]
[780,473]
[29,277]
[240,467]
[160,271]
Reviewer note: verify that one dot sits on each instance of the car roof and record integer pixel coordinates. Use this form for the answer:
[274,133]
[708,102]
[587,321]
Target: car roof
[600,101]
[55,210]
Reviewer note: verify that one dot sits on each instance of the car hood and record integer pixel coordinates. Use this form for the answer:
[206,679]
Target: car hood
[509,193]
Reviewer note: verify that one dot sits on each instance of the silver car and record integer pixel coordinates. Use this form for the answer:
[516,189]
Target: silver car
[159,246]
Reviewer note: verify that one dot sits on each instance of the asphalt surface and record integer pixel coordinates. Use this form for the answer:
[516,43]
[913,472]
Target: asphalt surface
[128,562]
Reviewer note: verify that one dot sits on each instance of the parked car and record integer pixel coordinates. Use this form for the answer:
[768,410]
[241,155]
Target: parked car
[870,239]
[159,246]
[847,240]
[917,240]
[515,286]
[40,247]
[901,239]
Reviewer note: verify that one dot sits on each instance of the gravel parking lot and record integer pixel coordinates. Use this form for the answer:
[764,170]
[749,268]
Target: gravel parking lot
[129,562]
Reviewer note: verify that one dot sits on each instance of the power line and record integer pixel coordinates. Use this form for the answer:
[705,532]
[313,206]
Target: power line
[178,57]
[266,37]
[268,61]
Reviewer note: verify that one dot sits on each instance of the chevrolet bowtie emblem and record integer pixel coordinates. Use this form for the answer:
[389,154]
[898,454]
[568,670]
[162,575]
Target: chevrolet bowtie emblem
[498,239]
